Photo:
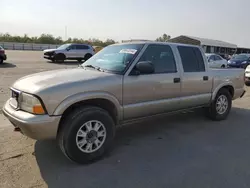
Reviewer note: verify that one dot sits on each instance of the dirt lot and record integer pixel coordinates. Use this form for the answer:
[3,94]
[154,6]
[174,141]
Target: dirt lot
[184,150]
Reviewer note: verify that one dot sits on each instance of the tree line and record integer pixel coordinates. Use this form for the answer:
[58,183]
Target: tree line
[50,39]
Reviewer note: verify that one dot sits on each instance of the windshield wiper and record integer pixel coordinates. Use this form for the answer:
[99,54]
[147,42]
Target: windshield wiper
[94,67]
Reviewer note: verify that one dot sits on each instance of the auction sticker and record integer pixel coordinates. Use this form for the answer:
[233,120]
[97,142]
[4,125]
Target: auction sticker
[128,51]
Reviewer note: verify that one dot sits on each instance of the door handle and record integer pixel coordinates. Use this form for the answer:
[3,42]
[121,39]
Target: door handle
[177,80]
[205,77]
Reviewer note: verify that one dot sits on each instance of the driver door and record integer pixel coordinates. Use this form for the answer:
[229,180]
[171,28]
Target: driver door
[71,51]
[156,93]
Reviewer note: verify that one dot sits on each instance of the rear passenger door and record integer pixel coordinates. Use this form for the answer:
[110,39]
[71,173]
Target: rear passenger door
[196,84]
[150,94]
[81,50]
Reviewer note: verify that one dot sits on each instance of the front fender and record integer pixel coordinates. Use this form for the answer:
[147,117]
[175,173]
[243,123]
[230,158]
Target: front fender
[215,91]
[86,96]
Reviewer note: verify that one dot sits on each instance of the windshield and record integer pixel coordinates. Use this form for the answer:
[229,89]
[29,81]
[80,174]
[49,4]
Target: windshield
[114,58]
[240,57]
[64,46]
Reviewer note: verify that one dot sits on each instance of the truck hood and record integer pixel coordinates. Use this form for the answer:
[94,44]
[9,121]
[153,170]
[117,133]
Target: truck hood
[35,83]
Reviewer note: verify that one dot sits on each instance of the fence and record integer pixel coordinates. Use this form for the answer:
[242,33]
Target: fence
[26,46]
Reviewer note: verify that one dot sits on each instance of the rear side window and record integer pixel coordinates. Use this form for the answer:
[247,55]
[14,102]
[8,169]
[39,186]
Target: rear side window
[82,47]
[192,59]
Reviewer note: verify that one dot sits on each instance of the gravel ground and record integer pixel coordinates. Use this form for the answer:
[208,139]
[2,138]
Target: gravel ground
[184,150]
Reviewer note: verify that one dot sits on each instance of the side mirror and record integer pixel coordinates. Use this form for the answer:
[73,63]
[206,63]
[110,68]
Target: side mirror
[145,67]
[68,49]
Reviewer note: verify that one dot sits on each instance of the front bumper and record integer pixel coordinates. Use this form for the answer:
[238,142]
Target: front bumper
[243,66]
[38,127]
[48,57]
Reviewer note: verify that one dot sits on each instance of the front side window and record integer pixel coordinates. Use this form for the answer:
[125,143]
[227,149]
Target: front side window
[211,58]
[63,47]
[240,57]
[191,58]
[114,58]
[161,57]
[217,58]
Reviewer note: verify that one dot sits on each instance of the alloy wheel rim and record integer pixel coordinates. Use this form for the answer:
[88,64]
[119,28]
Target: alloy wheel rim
[91,136]
[221,104]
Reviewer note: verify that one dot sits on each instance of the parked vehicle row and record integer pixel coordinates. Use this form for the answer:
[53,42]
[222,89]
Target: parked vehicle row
[82,107]
[3,56]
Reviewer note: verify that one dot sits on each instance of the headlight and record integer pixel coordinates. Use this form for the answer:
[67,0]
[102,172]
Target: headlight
[244,62]
[31,104]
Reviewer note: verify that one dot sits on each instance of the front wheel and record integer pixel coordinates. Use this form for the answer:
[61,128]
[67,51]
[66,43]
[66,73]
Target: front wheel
[59,58]
[221,106]
[86,134]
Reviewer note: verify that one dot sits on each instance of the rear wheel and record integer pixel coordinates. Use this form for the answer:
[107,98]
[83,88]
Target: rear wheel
[1,61]
[86,134]
[223,66]
[87,56]
[221,106]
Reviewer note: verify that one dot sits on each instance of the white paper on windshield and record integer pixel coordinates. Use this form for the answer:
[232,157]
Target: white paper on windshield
[128,51]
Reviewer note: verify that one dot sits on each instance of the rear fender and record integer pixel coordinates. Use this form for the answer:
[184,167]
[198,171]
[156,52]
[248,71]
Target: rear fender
[215,91]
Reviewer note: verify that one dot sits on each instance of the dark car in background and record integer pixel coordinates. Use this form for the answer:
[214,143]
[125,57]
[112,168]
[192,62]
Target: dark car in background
[239,61]
[3,56]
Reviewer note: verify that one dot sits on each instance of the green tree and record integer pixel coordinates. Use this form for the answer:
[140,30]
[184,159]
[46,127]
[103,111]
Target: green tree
[163,38]
[50,39]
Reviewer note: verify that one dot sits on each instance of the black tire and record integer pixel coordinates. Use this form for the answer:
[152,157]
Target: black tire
[213,113]
[223,66]
[59,58]
[87,56]
[67,133]
[1,61]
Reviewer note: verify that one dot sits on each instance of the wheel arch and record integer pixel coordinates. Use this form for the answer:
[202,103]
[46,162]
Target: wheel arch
[103,100]
[228,86]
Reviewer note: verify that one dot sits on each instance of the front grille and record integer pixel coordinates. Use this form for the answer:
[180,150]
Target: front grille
[49,53]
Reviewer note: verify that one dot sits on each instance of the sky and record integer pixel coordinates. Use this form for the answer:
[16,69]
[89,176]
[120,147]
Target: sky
[225,20]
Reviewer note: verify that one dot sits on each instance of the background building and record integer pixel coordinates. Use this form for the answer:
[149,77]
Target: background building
[209,45]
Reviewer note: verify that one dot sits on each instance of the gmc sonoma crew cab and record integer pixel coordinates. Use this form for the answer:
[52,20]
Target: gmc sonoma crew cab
[82,107]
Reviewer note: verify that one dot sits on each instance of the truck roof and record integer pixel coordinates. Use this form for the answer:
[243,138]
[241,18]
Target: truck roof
[155,42]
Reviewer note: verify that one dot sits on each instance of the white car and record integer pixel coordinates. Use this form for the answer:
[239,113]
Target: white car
[77,52]
[216,61]
[247,75]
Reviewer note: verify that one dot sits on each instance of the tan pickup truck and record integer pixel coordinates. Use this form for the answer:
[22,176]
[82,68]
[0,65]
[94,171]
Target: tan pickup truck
[82,107]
